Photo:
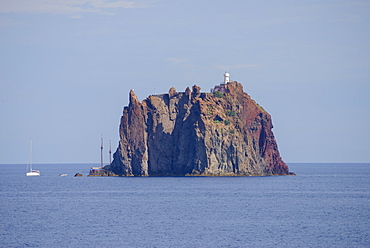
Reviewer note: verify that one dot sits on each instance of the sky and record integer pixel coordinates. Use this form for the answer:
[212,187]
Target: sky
[66,68]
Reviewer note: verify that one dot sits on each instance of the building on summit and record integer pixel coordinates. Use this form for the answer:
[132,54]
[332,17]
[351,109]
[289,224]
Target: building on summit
[222,88]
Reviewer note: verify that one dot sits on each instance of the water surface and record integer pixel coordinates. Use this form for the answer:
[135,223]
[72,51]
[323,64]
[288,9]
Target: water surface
[325,205]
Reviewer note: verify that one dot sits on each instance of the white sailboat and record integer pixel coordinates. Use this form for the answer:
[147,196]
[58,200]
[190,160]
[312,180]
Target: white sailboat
[30,172]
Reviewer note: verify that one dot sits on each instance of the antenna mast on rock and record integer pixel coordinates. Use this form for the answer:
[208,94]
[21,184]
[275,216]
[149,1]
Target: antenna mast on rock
[101,152]
[110,152]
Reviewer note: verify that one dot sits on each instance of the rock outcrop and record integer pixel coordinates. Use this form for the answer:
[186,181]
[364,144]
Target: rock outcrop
[197,134]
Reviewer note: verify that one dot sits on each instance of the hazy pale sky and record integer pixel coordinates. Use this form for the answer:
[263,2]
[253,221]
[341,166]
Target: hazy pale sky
[66,68]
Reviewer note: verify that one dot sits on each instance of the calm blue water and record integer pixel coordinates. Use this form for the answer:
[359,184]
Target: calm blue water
[325,205]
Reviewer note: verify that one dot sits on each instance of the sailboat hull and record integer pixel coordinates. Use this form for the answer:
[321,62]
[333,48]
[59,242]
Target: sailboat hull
[33,173]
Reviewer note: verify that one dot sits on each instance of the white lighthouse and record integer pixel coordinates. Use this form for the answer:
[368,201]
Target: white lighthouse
[226,77]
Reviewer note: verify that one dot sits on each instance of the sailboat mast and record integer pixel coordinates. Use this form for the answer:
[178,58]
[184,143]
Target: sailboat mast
[30,157]
[110,152]
[101,152]
[30,171]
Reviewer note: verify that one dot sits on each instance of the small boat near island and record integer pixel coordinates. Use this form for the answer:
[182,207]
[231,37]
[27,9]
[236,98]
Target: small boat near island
[63,175]
[30,172]
[33,173]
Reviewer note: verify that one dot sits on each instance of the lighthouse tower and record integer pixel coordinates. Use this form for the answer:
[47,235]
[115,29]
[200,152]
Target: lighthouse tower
[226,77]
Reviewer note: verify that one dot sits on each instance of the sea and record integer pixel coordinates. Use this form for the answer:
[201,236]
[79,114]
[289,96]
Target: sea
[324,205]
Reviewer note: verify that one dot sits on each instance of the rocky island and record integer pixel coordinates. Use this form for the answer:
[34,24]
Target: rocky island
[191,133]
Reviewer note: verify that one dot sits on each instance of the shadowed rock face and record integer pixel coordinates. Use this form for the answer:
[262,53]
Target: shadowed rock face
[194,133]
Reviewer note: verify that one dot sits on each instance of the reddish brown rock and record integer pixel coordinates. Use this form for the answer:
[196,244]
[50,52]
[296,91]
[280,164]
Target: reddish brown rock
[194,133]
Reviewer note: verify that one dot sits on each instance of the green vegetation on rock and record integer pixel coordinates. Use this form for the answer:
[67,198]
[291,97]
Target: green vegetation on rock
[230,113]
[218,94]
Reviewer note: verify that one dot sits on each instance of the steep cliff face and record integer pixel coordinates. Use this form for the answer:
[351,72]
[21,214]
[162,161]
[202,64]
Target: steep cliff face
[194,133]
